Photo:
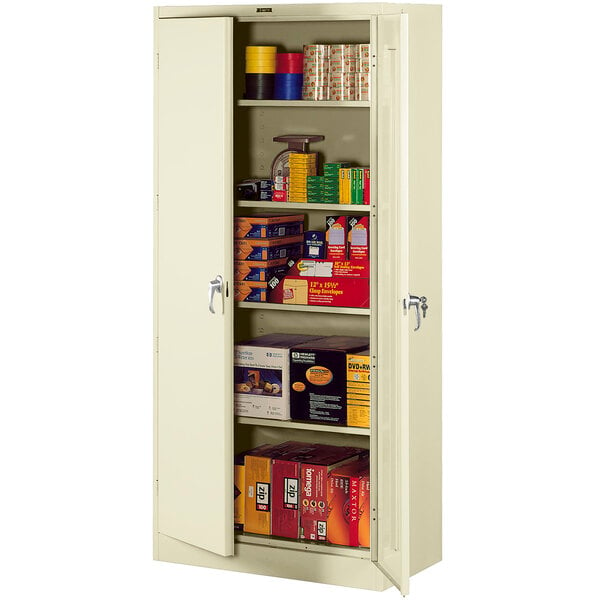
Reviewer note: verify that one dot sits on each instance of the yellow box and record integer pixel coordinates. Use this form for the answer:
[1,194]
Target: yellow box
[358,389]
[239,494]
[345,182]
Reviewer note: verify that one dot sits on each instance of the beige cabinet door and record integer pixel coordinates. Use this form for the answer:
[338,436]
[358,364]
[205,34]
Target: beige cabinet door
[194,396]
[392,536]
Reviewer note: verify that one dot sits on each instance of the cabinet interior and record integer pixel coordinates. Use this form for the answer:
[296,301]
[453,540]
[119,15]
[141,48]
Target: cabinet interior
[347,138]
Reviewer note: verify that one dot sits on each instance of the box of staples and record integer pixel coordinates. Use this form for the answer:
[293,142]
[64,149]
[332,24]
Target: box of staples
[268,226]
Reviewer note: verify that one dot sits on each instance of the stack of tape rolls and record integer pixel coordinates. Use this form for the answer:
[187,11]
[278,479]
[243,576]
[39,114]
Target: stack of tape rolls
[363,73]
[342,72]
[302,165]
[288,78]
[260,72]
[316,72]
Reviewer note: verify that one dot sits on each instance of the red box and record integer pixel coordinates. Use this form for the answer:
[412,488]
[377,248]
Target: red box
[324,283]
[343,499]
[280,196]
[358,238]
[367,187]
[337,237]
[285,477]
[314,475]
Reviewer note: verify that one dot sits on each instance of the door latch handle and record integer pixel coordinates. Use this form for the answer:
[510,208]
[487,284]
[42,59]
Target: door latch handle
[215,287]
[420,304]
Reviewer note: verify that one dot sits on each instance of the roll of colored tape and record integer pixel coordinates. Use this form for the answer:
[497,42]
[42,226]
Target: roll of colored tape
[250,68]
[290,62]
[288,86]
[260,86]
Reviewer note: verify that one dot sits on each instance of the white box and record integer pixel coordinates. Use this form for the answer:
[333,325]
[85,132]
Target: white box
[262,375]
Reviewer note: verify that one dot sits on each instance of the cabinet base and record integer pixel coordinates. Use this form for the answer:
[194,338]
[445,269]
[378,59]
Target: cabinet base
[278,562]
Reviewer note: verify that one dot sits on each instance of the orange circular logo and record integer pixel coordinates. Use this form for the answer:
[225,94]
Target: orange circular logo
[298,386]
[319,375]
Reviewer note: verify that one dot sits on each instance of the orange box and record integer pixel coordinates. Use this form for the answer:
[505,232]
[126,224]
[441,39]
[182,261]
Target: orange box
[343,501]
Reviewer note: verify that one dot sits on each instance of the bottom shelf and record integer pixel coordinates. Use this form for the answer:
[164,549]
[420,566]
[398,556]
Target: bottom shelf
[302,545]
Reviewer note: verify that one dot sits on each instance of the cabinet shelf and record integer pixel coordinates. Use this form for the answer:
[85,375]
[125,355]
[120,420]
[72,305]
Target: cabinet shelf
[308,103]
[301,425]
[303,206]
[341,310]
[303,545]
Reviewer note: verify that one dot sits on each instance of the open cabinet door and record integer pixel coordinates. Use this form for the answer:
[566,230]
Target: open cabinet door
[391,536]
[194,395]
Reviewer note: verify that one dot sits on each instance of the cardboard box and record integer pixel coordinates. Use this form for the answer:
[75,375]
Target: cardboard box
[358,238]
[343,500]
[285,475]
[318,378]
[358,382]
[324,283]
[364,510]
[262,375]
[259,270]
[267,249]
[336,234]
[251,291]
[268,226]
[239,495]
[313,496]
[257,475]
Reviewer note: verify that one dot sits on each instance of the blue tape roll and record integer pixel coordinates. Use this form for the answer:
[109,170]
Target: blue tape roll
[288,86]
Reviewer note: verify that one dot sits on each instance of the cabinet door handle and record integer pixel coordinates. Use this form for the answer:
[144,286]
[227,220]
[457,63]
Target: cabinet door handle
[420,304]
[215,287]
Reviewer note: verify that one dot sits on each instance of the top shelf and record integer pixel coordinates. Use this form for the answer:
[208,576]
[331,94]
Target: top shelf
[308,103]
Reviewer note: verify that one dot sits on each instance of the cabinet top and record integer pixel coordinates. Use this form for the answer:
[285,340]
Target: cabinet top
[266,11]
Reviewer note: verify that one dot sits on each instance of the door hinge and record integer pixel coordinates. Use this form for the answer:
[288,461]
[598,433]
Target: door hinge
[156,345]
[156,203]
[156,486]
[157,61]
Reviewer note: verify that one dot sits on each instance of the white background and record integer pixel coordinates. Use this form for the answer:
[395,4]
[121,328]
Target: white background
[521,247]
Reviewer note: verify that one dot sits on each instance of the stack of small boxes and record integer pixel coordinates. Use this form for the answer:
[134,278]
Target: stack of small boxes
[339,72]
[262,246]
[325,189]
[280,188]
[302,165]
[355,185]
[363,74]
[342,72]
[316,72]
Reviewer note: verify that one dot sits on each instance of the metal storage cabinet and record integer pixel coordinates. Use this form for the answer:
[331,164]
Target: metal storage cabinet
[207,138]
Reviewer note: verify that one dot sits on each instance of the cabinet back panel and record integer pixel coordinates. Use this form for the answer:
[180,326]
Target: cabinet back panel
[250,436]
[346,134]
[251,323]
